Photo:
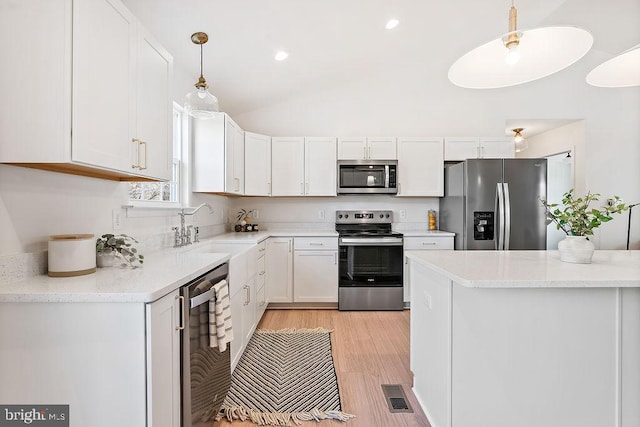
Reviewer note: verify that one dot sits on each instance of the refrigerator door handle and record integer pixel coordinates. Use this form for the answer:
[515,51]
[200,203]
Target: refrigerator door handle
[500,217]
[507,216]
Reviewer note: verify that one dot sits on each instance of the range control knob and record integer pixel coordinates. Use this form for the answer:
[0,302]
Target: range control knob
[340,216]
[381,216]
[346,215]
[387,215]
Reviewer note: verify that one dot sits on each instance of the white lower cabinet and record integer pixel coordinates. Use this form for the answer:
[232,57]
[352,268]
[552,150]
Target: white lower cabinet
[422,244]
[163,361]
[279,269]
[315,269]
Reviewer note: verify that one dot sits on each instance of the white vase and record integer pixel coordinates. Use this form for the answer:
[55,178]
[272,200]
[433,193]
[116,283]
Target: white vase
[576,249]
[106,260]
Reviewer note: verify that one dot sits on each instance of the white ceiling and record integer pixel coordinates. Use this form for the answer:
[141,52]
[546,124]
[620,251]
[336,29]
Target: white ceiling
[332,42]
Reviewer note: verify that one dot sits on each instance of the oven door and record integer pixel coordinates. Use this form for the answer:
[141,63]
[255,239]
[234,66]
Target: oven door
[370,262]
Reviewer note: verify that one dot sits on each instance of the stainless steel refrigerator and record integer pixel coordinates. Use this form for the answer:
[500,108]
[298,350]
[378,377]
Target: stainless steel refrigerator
[495,204]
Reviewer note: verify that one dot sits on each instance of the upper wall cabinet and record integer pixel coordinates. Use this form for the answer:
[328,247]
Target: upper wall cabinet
[218,155]
[257,164]
[90,96]
[303,166]
[420,167]
[461,148]
[369,148]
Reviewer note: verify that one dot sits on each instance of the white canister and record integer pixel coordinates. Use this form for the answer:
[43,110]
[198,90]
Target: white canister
[72,255]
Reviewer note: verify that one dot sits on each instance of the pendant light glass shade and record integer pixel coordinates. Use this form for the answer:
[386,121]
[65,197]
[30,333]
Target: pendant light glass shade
[620,71]
[201,103]
[520,56]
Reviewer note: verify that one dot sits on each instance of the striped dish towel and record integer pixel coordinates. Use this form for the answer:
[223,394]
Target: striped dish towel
[220,330]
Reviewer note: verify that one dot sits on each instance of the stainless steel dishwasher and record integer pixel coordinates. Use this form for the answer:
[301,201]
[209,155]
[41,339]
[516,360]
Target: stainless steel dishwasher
[206,372]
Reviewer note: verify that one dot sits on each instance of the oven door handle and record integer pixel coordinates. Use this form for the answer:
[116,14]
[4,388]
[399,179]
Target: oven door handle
[378,241]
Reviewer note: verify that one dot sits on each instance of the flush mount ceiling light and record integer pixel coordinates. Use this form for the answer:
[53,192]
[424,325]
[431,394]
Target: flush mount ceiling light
[281,55]
[620,71]
[391,24]
[201,103]
[521,144]
[520,56]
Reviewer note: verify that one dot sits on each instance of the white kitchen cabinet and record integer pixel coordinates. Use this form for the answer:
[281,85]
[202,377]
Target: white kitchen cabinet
[218,155]
[420,167]
[85,76]
[261,271]
[497,148]
[461,148]
[279,269]
[411,243]
[303,166]
[367,148]
[236,305]
[320,166]
[163,361]
[257,164]
[315,269]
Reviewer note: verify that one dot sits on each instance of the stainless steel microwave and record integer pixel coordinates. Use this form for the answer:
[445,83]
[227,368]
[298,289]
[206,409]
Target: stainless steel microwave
[367,176]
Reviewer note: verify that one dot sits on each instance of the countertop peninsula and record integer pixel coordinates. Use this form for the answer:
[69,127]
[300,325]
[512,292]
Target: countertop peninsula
[531,269]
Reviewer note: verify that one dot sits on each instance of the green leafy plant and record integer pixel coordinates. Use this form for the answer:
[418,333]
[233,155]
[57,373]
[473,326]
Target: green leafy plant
[576,218]
[243,214]
[120,245]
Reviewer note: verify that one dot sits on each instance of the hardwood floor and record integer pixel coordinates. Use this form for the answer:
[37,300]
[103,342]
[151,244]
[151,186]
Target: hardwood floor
[369,349]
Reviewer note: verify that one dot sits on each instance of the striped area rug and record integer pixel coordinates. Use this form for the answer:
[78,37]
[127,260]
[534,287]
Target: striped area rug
[285,376]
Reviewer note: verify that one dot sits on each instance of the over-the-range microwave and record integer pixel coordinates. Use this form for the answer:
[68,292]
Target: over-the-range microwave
[367,176]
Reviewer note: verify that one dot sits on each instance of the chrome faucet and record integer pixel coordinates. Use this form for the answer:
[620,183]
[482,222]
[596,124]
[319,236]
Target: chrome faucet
[183,234]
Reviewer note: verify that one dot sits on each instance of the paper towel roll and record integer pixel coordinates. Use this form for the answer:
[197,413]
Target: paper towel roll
[72,255]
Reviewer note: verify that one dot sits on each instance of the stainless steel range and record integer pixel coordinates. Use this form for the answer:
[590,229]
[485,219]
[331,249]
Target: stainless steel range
[370,268]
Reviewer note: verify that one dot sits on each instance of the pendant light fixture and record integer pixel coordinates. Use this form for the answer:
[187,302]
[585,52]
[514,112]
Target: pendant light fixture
[620,71]
[520,56]
[201,103]
[521,143]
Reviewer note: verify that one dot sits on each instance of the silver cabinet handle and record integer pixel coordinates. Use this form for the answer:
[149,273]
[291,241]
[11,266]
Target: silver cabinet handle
[261,273]
[237,180]
[316,244]
[369,155]
[289,245]
[135,154]
[335,258]
[365,152]
[428,243]
[182,314]
[269,188]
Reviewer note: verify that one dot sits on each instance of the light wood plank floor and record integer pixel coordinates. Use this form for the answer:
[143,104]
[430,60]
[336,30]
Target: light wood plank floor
[369,349]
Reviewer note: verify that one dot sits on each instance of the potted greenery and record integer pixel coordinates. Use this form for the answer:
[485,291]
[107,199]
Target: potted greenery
[578,221]
[110,246]
[241,219]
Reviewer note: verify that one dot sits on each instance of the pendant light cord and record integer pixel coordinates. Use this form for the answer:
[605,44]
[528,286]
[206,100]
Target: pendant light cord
[201,59]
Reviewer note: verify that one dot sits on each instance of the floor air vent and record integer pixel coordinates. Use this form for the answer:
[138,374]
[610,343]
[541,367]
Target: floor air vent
[396,399]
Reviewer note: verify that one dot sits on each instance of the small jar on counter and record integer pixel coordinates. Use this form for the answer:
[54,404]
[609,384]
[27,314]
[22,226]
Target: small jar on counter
[432,220]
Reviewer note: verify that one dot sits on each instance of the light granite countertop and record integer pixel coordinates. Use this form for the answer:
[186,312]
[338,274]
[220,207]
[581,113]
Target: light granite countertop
[163,272]
[528,269]
[426,233]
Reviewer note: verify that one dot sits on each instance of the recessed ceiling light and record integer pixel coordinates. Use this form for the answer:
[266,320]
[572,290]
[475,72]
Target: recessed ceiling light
[391,24]
[281,55]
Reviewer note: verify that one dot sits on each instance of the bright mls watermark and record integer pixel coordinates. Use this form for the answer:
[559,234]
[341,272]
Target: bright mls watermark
[37,415]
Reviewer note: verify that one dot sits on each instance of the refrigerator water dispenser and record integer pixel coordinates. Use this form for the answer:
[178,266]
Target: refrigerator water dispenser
[483,225]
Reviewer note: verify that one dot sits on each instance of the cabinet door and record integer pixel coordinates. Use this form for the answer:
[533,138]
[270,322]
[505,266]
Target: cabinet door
[421,244]
[154,111]
[234,157]
[249,310]
[497,148]
[279,275]
[381,149]
[237,320]
[320,166]
[354,148]
[461,148]
[287,166]
[420,167]
[315,276]
[163,361]
[104,71]
[46,66]
[257,164]
[208,158]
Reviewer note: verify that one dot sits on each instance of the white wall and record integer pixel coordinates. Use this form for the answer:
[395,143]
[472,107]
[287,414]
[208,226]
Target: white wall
[410,102]
[303,212]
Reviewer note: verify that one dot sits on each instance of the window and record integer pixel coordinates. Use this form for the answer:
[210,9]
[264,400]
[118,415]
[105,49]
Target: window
[164,194]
